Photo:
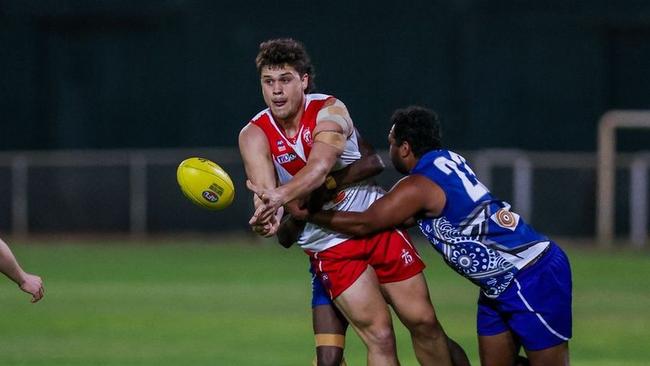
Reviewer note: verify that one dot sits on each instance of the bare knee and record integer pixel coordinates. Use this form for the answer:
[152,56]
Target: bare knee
[381,338]
[425,324]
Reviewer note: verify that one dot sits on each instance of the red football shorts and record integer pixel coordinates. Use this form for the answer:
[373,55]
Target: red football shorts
[390,253]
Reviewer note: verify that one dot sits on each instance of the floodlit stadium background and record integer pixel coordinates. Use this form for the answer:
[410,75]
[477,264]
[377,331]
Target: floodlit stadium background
[99,101]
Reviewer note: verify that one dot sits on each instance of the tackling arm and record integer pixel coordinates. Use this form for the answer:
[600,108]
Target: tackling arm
[410,196]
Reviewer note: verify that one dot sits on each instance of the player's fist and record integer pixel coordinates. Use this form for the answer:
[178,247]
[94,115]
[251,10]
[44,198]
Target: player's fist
[33,284]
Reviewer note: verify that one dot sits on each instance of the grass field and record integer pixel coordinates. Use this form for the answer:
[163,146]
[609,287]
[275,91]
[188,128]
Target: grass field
[243,303]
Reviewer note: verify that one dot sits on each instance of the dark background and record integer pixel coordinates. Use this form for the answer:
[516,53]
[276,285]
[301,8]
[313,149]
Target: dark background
[535,75]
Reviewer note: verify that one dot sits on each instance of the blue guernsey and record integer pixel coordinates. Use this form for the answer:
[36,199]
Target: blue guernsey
[478,235]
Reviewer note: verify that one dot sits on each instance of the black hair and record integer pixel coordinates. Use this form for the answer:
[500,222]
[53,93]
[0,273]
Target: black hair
[286,51]
[418,126]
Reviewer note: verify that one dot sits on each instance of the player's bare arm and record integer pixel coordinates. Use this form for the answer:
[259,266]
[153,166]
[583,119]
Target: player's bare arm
[368,166]
[411,196]
[30,283]
[254,149]
[334,126]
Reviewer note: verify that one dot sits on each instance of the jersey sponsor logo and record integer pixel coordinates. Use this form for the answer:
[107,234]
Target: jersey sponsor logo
[280,145]
[286,158]
[506,219]
[210,196]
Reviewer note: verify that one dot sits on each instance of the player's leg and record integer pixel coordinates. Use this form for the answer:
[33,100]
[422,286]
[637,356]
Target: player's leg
[366,310]
[329,330]
[410,300]
[539,308]
[497,350]
[399,269]
[329,326]
[553,356]
[458,355]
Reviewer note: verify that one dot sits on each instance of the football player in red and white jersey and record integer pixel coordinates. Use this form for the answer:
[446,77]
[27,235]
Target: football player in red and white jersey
[303,137]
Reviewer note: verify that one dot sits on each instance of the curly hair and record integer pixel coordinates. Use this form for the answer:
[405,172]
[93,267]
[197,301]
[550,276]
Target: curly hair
[418,126]
[286,51]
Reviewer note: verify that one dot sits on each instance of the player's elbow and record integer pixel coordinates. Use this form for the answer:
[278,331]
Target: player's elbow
[285,240]
[376,164]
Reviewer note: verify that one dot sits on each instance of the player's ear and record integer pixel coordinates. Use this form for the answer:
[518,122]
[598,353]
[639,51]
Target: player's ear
[305,82]
[405,149]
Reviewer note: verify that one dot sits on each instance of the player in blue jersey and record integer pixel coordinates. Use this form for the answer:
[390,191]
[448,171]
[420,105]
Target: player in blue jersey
[524,278]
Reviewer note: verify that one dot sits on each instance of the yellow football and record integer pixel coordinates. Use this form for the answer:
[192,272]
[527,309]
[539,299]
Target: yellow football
[205,183]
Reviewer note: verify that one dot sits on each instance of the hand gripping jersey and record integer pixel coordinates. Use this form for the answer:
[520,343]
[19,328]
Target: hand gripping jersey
[290,154]
[479,236]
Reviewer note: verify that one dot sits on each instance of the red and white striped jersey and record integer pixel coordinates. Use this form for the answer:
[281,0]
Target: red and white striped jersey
[290,154]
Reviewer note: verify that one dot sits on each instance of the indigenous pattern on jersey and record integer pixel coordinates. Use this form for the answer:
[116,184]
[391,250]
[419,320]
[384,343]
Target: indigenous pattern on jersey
[290,154]
[479,236]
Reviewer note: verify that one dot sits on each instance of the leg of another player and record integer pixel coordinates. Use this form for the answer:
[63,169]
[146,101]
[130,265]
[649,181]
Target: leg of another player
[365,308]
[497,350]
[329,329]
[458,355]
[553,356]
[410,300]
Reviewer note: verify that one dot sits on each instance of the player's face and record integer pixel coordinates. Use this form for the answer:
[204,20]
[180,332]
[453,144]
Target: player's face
[283,89]
[395,154]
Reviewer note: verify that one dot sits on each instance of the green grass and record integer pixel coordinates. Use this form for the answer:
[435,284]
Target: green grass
[241,304]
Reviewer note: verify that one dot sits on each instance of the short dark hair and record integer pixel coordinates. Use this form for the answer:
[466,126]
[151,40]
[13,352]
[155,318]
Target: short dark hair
[286,51]
[418,126]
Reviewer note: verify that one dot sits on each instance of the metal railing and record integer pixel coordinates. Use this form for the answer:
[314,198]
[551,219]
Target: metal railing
[523,165]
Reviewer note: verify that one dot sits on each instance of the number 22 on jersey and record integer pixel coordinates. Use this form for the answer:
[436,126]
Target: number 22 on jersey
[475,189]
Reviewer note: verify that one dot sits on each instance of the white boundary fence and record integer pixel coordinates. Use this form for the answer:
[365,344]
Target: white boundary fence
[522,163]
[609,123]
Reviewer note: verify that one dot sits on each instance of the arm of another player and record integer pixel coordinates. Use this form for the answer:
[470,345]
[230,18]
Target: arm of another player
[409,197]
[334,126]
[254,149]
[368,166]
[28,282]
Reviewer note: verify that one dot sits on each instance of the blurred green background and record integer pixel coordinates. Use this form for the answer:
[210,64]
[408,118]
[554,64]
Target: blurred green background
[246,302]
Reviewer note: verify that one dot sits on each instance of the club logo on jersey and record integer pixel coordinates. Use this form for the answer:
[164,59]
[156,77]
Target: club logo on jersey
[280,145]
[407,257]
[286,158]
[339,198]
[506,219]
[306,135]
[210,196]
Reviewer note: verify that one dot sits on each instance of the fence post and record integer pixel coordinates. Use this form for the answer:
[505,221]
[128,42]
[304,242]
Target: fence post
[19,202]
[138,194]
[639,202]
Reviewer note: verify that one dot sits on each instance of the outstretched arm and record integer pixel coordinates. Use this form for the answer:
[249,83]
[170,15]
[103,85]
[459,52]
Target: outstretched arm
[412,195]
[254,149]
[29,283]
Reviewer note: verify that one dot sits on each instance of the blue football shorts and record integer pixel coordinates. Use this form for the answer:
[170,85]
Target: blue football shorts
[536,307]
[319,295]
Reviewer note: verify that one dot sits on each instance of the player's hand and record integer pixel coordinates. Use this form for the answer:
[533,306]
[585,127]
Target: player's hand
[297,210]
[33,284]
[271,201]
[271,227]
